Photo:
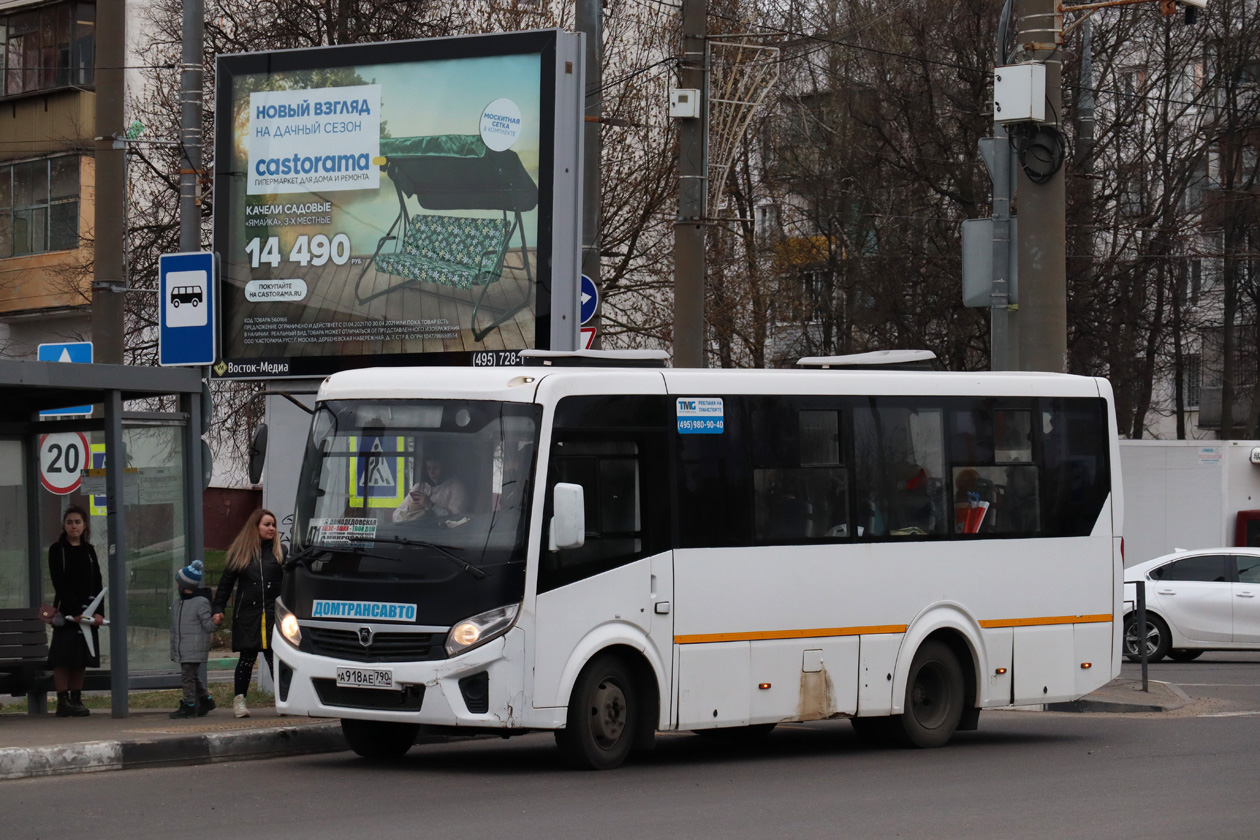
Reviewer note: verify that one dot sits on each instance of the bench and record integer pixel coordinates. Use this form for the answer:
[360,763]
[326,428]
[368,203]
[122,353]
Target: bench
[24,657]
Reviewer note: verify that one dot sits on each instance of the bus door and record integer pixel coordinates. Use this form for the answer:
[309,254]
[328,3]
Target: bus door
[617,587]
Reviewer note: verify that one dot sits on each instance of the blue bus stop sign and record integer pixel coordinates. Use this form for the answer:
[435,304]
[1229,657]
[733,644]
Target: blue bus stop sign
[72,351]
[186,309]
[590,298]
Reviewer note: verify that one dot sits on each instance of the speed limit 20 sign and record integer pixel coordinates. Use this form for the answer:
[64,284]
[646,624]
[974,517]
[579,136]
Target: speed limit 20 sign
[62,458]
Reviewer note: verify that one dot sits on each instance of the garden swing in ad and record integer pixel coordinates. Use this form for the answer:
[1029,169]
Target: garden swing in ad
[453,172]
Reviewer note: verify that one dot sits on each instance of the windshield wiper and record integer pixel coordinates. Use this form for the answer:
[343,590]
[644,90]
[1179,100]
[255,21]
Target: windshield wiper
[304,556]
[476,571]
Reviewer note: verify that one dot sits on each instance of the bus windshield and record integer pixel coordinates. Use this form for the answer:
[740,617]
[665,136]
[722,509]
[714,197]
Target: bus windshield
[422,490]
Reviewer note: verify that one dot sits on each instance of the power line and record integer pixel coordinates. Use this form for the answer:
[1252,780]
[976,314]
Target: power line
[921,59]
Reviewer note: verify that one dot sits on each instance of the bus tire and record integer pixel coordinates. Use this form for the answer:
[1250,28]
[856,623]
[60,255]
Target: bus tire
[1158,639]
[379,740]
[603,716]
[934,696]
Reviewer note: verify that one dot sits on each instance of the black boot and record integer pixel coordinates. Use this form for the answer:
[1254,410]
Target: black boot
[185,710]
[63,704]
[77,709]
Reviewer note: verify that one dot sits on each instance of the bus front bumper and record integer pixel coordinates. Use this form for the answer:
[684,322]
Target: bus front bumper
[438,693]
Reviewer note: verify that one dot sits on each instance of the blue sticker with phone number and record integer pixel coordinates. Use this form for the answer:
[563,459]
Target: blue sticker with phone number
[700,415]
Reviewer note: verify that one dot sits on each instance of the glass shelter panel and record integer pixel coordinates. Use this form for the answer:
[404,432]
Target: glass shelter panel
[14,557]
[155,517]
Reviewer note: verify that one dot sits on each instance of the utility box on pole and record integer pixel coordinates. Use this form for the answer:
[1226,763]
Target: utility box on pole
[1019,93]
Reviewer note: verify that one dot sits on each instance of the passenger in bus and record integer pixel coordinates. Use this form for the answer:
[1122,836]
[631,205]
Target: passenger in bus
[440,493]
[911,502]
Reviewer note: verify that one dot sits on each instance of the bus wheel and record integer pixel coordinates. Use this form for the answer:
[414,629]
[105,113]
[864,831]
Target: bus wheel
[378,740]
[934,696]
[603,716]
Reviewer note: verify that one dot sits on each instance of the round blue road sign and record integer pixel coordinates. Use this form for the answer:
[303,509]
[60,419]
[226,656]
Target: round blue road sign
[590,298]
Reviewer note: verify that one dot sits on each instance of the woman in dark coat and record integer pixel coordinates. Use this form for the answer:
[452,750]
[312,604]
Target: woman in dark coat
[254,569]
[76,578]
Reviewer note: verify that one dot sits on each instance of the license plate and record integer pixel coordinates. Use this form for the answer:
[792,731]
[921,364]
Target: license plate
[365,678]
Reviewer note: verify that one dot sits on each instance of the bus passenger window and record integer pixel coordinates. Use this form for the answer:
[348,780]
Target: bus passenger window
[809,503]
[899,460]
[780,510]
[996,500]
[1074,450]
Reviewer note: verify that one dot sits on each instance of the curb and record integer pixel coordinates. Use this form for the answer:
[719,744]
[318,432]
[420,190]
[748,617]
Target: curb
[208,748]
[1150,702]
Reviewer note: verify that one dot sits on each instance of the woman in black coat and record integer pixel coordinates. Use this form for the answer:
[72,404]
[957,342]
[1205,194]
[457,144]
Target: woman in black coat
[76,578]
[254,569]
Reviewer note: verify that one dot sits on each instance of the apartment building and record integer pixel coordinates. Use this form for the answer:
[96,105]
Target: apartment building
[47,101]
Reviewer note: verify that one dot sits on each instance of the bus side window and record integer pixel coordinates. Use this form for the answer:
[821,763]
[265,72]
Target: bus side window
[807,503]
[1075,453]
[610,476]
[995,481]
[899,466]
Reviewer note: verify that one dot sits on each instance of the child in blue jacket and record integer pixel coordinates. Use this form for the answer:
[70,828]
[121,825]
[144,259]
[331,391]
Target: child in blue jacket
[191,627]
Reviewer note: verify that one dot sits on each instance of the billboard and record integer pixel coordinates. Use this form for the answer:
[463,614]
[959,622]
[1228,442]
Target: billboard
[413,202]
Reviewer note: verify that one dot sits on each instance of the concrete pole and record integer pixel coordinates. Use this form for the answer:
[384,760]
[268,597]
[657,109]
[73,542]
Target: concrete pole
[689,228]
[590,19]
[110,218]
[1042,268]
[190,127]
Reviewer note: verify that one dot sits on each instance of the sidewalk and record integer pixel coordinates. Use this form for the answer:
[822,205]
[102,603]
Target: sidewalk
[45,745]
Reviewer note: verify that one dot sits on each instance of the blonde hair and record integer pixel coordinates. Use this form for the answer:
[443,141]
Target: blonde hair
[248,544]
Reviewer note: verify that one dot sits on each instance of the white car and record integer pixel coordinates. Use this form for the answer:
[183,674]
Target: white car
[1206,599]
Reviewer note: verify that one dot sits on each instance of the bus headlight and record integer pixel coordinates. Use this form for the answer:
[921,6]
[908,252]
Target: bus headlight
[288,624]
[475,631]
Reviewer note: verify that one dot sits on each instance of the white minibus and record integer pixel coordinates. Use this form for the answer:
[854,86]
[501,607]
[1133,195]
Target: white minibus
[611,549]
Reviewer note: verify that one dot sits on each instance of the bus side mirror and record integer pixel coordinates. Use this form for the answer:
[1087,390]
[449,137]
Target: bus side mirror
[568,519]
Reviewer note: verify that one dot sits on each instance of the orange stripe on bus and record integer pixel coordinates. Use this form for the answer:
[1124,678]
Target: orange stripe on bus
[1045,621]
[701,638]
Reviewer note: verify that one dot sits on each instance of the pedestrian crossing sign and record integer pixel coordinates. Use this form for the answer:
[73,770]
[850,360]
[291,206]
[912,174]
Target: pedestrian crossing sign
[378,474]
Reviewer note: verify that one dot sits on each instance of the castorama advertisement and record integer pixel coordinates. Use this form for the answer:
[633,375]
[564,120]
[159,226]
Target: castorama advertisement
[284,125]
[405,203]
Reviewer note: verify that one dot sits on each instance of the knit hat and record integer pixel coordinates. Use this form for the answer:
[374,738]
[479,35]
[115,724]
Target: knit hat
[189,577]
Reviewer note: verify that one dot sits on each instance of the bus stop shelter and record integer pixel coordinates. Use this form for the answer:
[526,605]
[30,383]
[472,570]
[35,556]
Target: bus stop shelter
[144,507]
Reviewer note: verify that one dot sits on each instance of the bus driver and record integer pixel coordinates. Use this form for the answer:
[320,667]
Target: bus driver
[440,493]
